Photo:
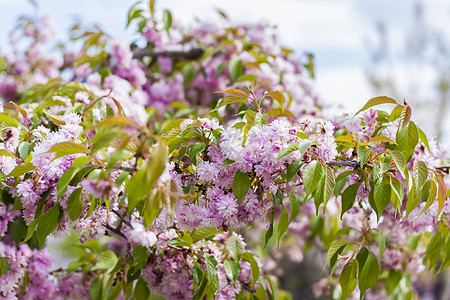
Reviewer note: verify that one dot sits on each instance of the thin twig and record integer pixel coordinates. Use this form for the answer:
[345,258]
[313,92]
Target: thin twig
[115,230]
[128,169]
[445,169]
[121,218]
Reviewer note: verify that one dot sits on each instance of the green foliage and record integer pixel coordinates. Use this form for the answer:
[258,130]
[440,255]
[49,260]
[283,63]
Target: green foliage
[241,185]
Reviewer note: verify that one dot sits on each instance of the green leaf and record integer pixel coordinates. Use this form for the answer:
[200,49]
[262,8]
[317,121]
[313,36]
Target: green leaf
[176,143]
[24,150]
[133,13]
[141,291]
[21,169]
[423,138]
[67,148]
[369,273]
[152,208]
[74,204]
[319,194]
[234,92]
[4,265]
[241,185]
[231,99]
[212,288]
[334,248]
[362,257]
[104,140]
[202,233]
[396,112]
[30,230]
[363,153]
[434,249]
[431,196]
[75,85]
[81,161]
[420,174]
[442,192]
[232,270]
[194,151]
[184,241]
[312,174]
[47,223]
[189,72]
[234,247]
[293,169]
[211,269]
[381,138]
[115,120]
[197,273]
[399,160]
[302,135]
[95,289]
[136,188]
[349,196]
[268,234]
[446,256]
[273,287]
[57,120]
[65,179]
[247,256]
[141,184]
[413,199]
[140,256]
[329,185]
[407,139]
[348,278]
[397,192]
[294,207]
[283,223]
[381,243]
[247,77]
[376,101]
[393,280]
[382,194]
[236,68]
[7,119]
[22,111]
[107,260]
[405,116]
[277,96]
[344,175]
[302,146]
[151,5]
[167,19]
[4,152]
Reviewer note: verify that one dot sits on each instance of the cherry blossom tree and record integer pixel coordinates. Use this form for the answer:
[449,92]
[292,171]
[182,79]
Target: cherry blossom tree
[166,160]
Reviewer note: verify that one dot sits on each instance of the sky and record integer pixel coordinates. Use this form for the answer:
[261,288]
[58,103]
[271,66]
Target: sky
[338,32]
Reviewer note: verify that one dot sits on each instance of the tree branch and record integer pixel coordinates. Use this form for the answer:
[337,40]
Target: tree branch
[192,54]
[445,169]
[354,164]
[115,230]
[121,218]
[347,163]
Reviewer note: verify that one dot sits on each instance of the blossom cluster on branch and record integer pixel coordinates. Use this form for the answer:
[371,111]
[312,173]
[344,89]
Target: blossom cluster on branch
[178,150]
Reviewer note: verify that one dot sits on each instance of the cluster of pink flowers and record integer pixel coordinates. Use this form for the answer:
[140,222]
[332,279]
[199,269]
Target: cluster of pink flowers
[259,156]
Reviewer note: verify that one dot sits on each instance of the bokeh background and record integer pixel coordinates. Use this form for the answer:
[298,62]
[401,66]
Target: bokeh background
[361,48]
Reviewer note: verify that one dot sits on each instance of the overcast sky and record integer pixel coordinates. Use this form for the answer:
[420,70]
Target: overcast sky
[336,31]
